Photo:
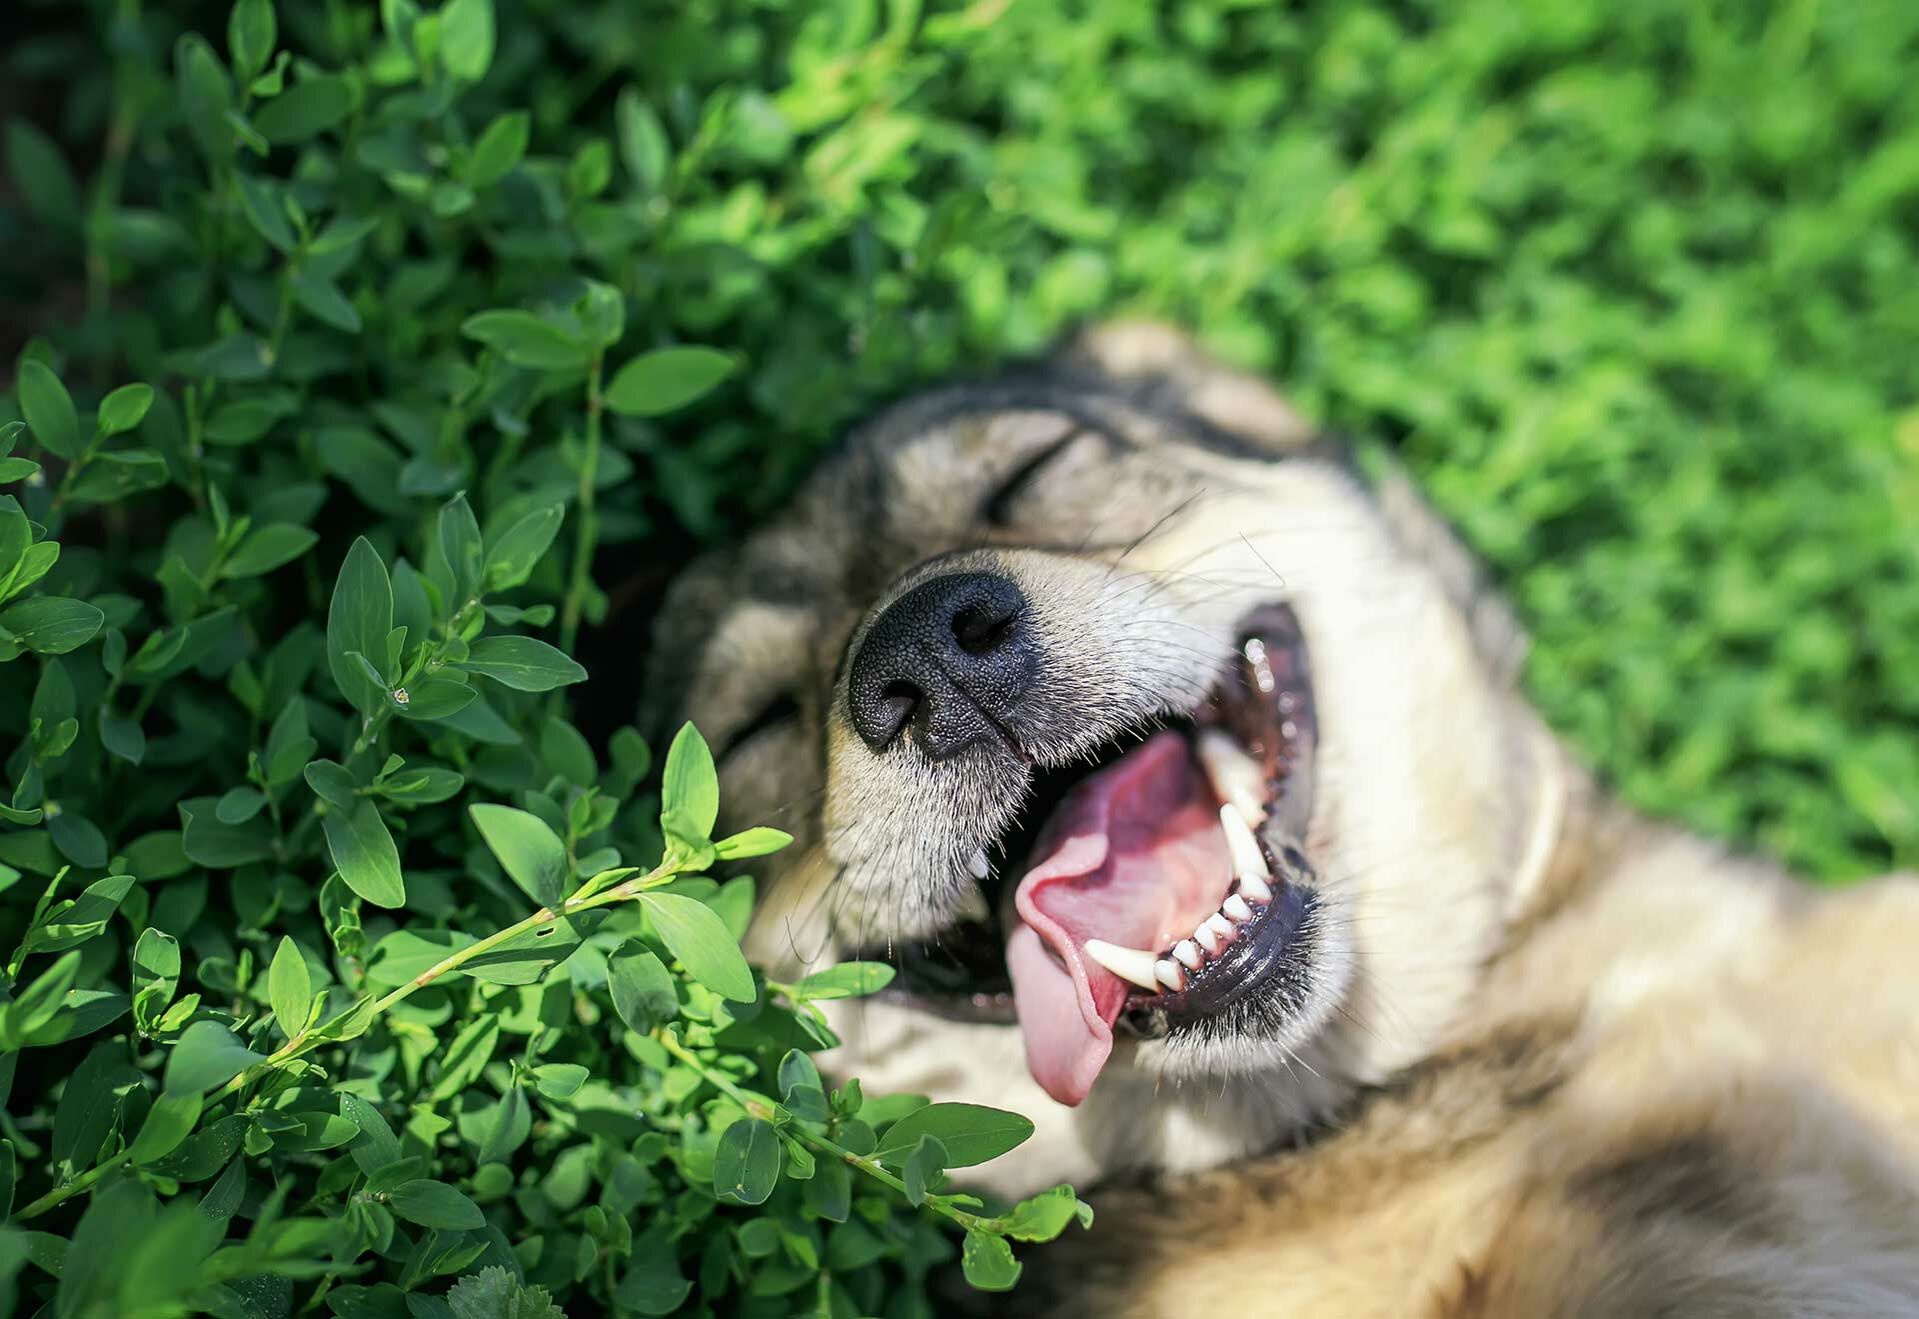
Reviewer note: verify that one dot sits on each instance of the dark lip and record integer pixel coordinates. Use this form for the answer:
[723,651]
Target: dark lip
[956,976]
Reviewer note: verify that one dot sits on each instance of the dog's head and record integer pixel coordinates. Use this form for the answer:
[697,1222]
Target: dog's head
[1173,765]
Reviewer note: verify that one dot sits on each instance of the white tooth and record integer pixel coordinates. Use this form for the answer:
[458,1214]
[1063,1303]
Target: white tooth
[1235,775]
[1248,863]
[1221,925]
[972,906]
[1188,953]
[1236,908]
[1130,964]
[1206,938]
[1255,889]
[978,864]
[1169,974]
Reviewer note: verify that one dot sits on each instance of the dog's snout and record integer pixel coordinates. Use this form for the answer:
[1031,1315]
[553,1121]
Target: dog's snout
[952,657]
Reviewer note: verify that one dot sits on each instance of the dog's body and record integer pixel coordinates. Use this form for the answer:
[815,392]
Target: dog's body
[1490,1044]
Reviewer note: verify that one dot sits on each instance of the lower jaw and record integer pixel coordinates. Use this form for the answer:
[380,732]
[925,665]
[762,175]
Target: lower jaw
[1251,974]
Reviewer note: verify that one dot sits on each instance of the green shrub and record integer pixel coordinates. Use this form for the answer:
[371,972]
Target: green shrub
[346,969]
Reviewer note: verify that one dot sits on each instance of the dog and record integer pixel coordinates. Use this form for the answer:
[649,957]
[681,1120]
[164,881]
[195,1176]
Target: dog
[1178,764]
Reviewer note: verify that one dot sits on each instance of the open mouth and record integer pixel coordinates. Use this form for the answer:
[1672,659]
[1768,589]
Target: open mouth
[1157,888]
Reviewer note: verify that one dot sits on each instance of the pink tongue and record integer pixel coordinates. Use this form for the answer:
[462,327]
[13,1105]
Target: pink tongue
[1134,856]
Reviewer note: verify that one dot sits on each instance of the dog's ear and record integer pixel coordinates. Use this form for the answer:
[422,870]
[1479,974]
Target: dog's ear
[1166,368]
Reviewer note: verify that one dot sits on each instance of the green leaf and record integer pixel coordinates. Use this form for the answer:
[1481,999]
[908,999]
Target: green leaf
[36,1005]
[652,1283]
[512,554]
[527,341]
[643,144]
[67,924]
[689,789]
[559,1080]
[363,852]
[923,1169]
[289,987]
[92,1104]
[251,32]
[494,1293]
[801,1089]
[847,980]
[323,301]
[499,149]
[522,663]
[642,989]
[530,853]
[221,846]
[260,203]
[466,38]
[332,784]
[434,698]
[1044,1216]
[746,1165]
[971,1133]
[359,619]
[116,474]
[156,974]
[40,172]
[310,107]
[169,1122]
[467,1056]
[268,547]
[48,409]
[205,96]
[435,1204]
[206,1057]
[507,1127]
[701,943]
[238,805]
[987,1261]
[461,548]
[125,408]
[666,380]
[750,843]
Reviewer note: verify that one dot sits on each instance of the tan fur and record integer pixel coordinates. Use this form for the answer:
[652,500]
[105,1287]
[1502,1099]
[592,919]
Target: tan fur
[1557,1059]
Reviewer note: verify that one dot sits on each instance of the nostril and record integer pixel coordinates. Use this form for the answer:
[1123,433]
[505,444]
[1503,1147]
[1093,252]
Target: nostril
[981,629]
[898,700]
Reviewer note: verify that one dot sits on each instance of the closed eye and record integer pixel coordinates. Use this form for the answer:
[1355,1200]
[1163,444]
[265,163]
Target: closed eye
[781,710]
[997,510]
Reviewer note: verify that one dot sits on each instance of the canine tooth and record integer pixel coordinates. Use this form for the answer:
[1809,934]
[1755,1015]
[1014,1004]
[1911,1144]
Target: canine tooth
[1206,937]
[978,864]
[972,906]
[1234,775]
[1219,923]
[1188,953]
[1248,861]
[1236,909]
[1169,974]
[1255,889]
[1134,965]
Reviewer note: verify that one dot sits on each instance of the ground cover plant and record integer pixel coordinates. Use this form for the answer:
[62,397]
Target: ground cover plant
[372,364]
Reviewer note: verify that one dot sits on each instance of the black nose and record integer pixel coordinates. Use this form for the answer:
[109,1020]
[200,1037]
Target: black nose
[952,657]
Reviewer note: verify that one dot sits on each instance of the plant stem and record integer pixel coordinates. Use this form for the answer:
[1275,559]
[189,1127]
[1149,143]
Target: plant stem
[581,900]
[60,1194]
[586,528]
[759,1109]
